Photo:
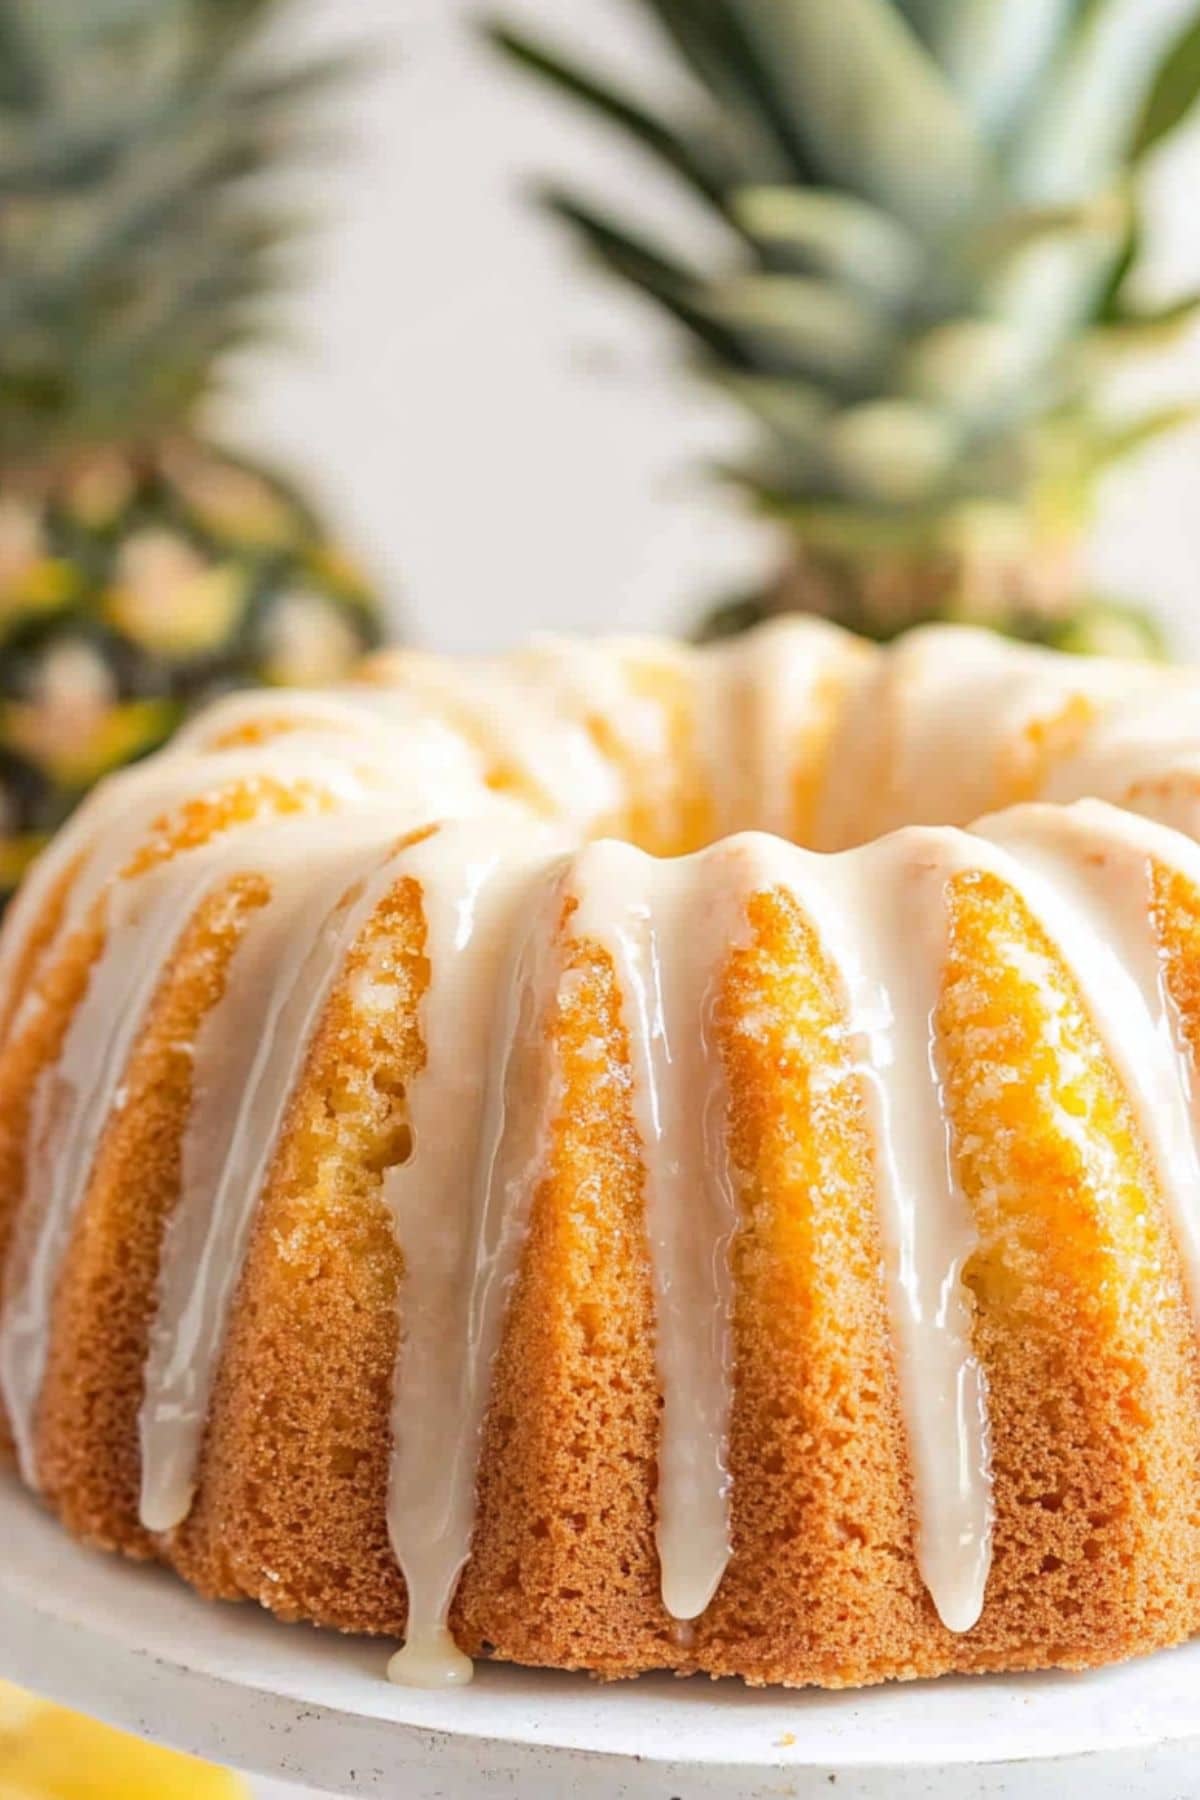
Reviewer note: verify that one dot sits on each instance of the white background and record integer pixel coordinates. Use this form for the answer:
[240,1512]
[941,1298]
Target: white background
[505,439]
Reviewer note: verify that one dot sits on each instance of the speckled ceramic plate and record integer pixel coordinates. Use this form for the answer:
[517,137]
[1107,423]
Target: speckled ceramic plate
[134,1646]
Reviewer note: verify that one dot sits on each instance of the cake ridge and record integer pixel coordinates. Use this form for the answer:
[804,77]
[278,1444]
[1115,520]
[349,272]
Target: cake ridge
[458,1274]
[499,897]
[667,964]
[290,955]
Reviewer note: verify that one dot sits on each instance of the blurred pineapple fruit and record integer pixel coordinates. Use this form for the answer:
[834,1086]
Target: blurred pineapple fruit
[925,266]
[142,567]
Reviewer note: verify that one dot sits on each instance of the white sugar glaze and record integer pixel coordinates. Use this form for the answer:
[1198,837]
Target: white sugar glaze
[71,1107]
[668,958]
[880,914]
[248,1055]
[925,737]
[121,815]
[1098,863]
[461,1202]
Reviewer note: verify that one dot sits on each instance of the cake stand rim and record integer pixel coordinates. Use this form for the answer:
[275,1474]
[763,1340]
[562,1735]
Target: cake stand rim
[240,1687]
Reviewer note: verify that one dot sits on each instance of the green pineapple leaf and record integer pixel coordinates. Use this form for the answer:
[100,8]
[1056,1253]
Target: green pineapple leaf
[1173,93]
[142,570]
[920,154]
[1139,329]
[132,145]
[995,55]
[695,161]
[1084,126]
[834,234]
[723,53]
[805,324]
[929,236]
[1112,443]
[668,282]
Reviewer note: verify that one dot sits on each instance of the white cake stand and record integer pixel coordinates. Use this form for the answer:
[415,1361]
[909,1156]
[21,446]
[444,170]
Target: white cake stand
[133,1646]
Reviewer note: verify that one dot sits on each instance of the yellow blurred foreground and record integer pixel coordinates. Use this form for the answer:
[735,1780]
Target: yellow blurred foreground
[47,1753]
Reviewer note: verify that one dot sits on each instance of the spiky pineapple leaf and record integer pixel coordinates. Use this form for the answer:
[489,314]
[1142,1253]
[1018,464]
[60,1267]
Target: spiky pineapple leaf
[937,208]
[1173,94]
[793,412]
[806,324]
[995,53]
[832,233]
[131,165]
[22,77]
[675,287]
[1082,131]
[894,454]
[919,154]
[1103,217]
[698,163]
[1110,298]
[1150,328]
[705,34]
[713,38]
[79,159]
[1109,444]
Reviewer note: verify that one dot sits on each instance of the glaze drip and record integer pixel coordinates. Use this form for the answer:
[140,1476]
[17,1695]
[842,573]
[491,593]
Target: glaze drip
[479,1122]
[248,1057]
[71,1107]
[940,730]
[668,958]
[1097,868]
[880,914]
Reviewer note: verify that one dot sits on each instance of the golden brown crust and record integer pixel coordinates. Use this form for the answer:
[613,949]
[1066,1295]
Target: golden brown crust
[1081,1321]
[563,1569]
[58,973]
[55,993]
[822,1585]
[88,1451]
[291,1504]
[43,932]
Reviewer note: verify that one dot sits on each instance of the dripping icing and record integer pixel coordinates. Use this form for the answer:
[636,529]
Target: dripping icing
[480,1111]
[869,935]
[1097,866]
[249,1053]
[667,963]
[70,1108]
[880,914]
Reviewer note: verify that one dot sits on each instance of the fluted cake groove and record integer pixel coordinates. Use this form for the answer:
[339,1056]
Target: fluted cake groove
[467,1172]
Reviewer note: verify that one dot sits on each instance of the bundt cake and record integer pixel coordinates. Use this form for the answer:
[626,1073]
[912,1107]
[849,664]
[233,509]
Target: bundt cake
[593,1159]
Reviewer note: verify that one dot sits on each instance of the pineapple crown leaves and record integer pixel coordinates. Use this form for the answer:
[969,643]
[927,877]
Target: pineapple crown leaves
[137,244]
[931,209]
